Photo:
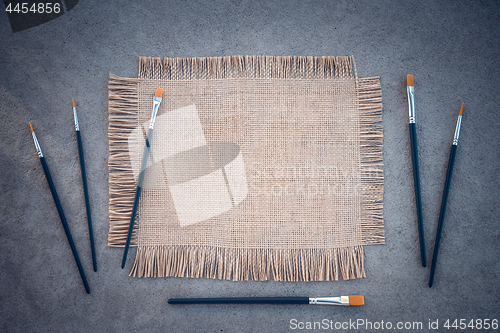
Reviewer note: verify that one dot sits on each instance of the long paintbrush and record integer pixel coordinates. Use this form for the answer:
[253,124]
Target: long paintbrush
[156,105]
[341,300]
[60,211]
[414,157]
[445,195]
[85,189]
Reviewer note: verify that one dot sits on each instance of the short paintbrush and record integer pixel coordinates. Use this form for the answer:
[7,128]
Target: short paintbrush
[156,105]
[340,300]
[60,211]
[445,195]
[414,157]
[85,189]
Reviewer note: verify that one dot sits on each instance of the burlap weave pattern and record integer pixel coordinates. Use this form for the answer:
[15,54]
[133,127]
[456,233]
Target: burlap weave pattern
[260,167]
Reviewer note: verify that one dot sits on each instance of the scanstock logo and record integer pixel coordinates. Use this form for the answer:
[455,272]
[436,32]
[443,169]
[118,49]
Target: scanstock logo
[25,14]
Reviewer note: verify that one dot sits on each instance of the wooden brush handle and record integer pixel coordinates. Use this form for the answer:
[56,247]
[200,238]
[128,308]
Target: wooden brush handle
[137,194]
[64,223]
[241,300]
[443,211]
[416,181]
[87,200]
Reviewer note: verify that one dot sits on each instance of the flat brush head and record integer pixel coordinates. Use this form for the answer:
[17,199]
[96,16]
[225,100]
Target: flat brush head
[356,300]
[31,128]
[461,109]
[409,80]
[159,92]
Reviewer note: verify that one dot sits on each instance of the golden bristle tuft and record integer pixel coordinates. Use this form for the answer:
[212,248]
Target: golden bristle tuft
[409,80]
[461,109]
[31,127]
[356,300]
[159,92]
[73,102]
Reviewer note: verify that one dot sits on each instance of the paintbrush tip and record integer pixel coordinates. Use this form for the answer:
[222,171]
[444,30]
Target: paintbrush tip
[159,92]
[31,127]
[356,300]
[409,80]
[461,109]
[73,102]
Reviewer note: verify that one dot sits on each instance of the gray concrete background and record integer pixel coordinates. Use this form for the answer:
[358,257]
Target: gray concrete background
[451,48]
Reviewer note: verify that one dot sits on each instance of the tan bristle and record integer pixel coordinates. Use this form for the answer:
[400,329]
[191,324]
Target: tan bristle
[461,109]
[356,300]
[409,80]
[159,92]
[31,127]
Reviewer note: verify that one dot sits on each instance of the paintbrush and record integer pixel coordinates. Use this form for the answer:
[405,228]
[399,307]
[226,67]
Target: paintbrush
[60,211]
[445,195]
[341,300]
[156,105]
[414,157]
[85,189]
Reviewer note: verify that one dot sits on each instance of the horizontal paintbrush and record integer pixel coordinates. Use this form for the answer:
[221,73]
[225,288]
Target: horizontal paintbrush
[340,300]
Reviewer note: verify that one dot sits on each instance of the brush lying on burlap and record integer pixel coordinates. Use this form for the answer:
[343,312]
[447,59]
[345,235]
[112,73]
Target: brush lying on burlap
[260,168]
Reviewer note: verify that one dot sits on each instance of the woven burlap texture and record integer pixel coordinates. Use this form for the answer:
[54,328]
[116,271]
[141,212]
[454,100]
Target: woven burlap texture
[260,167]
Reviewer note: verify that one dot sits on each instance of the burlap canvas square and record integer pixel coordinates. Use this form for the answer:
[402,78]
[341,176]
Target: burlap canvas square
[260,167]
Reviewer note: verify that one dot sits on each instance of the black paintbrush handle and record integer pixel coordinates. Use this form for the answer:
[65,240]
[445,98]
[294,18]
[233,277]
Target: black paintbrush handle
[443,211]
[241,300]
[416,181]
[137,195]
[87,201]
[64,223]
[131,225]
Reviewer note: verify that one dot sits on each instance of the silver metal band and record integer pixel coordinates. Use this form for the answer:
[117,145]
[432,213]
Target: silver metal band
[156,105]
[341,300]
[457,131]
[38,149]
[77,127]
[411,103]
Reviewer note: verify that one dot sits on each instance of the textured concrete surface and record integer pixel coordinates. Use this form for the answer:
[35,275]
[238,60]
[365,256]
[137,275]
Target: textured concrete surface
[451,48]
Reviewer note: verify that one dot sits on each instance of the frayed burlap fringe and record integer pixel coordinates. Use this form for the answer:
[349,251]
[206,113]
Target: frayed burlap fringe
[235,263]
[262,67]
[123,118]
[249,264]
[371,142]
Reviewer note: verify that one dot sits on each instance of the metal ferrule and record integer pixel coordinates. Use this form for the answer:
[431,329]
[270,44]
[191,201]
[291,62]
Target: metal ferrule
[156,105]
[411,103]
[38,149]
[341,300]
[457,131]
[76,119]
